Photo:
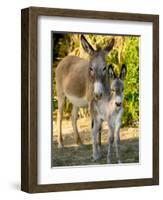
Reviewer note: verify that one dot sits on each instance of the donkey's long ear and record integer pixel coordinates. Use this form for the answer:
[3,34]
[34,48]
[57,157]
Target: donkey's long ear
[86,46]
[123,72]
[111,73]
[110,46]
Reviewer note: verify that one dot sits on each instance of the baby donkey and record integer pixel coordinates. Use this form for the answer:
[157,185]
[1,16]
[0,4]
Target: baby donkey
[109,110]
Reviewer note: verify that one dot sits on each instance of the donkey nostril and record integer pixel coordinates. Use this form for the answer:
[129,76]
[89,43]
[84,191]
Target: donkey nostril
[98,95]
[118,104]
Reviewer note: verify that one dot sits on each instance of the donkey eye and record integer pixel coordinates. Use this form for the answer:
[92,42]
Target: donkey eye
[104,68]
[113,90]
[91,69]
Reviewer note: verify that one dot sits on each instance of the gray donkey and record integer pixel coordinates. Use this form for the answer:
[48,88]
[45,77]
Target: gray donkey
[111,110]
[81,81]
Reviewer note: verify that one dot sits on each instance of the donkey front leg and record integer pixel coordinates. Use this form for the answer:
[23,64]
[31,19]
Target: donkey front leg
[96,127]
[59,121]
[99,135]
[117,144]
[74,125]
[110,143]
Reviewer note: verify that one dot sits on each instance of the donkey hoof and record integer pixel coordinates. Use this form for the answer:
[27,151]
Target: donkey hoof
[81,146]
[97,156]
[60,145]
[108,160]
[119,161]
[79,142]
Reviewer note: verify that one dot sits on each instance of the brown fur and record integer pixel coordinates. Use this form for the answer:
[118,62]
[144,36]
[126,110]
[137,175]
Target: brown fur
[72,73]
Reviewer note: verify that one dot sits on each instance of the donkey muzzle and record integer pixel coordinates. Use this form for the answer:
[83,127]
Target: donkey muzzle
[118,104]
[98,96]
[98,90]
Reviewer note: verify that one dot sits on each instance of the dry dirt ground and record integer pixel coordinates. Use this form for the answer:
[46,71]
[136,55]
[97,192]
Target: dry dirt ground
[73,155]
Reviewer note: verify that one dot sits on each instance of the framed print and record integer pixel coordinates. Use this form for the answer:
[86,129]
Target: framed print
[90,99]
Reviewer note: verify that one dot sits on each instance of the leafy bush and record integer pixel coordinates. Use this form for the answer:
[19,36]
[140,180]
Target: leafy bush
[131,92]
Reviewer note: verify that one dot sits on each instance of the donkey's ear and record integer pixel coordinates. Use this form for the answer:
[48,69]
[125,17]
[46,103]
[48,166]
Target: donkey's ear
[123,72]
[86,46]
[111,72]
[109,46]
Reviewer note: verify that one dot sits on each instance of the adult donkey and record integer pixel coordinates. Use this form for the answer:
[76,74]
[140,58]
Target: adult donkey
[110,110]
[81,81]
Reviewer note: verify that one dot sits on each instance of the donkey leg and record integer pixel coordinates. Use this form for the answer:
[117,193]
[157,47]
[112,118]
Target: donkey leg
[117,144]
[96,125]
[74,125]
[99,137]
[59,121]
[110,144]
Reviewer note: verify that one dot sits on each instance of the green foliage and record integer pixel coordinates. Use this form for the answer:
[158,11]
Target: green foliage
[131,92]
[125,51]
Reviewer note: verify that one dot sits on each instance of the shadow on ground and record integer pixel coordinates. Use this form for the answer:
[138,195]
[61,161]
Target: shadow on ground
[73,156]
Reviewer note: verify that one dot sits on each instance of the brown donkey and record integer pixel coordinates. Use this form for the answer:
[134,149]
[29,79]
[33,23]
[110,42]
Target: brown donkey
[81,81]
